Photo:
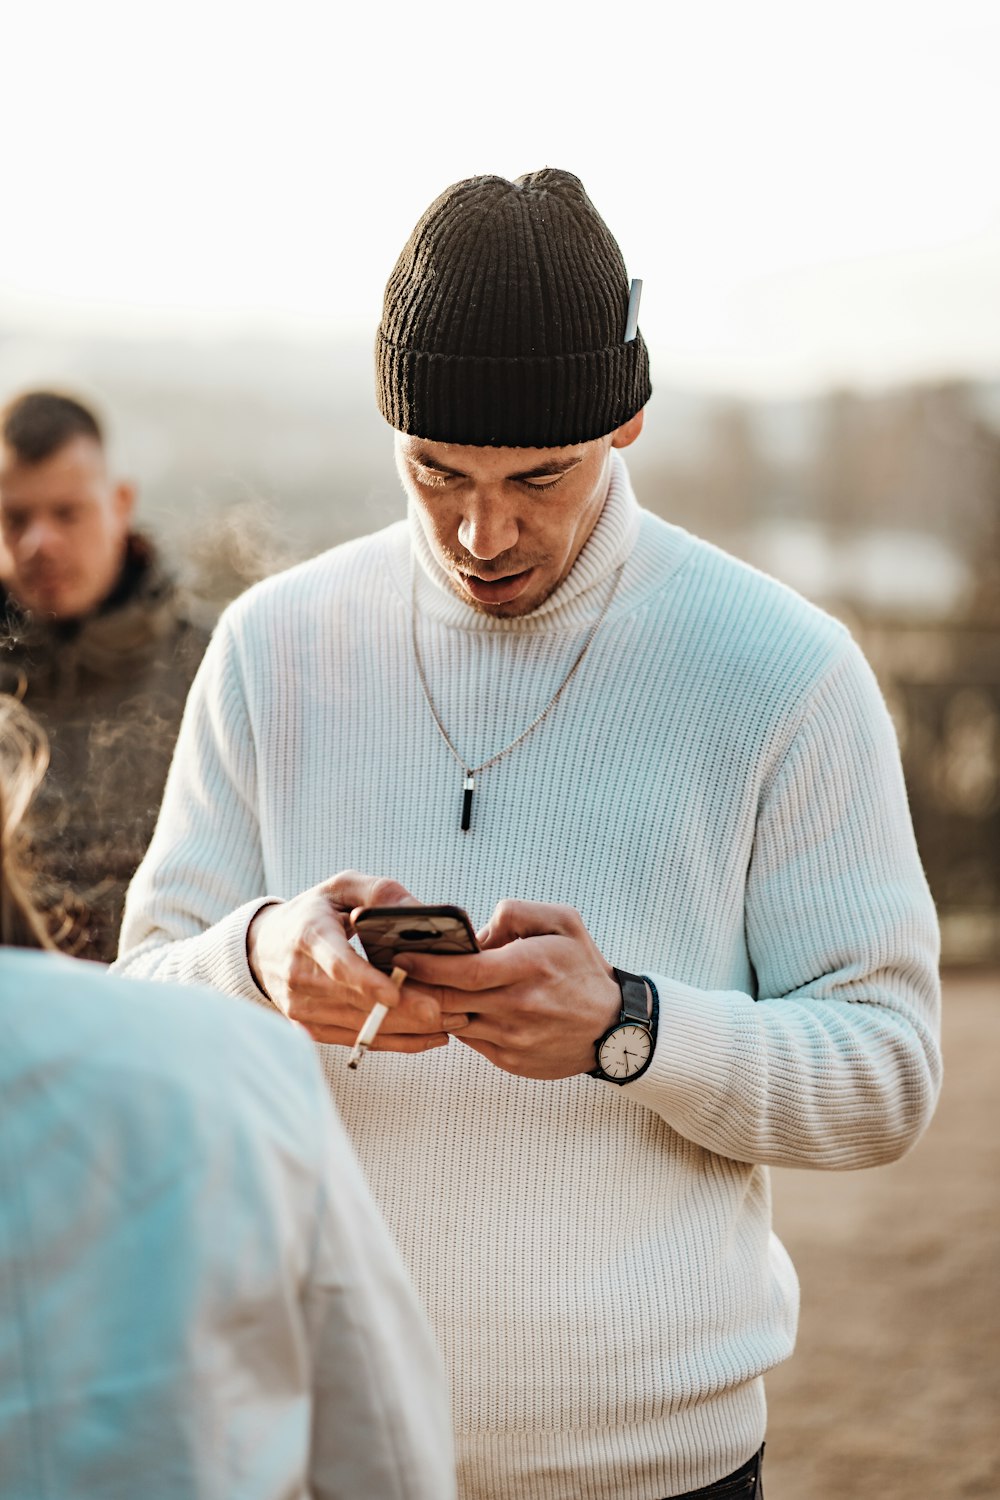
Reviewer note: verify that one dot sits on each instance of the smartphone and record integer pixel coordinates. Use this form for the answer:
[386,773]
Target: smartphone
[385,931]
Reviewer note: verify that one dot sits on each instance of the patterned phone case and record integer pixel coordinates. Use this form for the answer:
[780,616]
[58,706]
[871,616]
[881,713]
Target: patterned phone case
[387,931]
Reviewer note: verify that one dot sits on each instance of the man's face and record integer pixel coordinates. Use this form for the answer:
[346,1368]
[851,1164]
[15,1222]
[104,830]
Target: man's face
[507,524]
[64,527]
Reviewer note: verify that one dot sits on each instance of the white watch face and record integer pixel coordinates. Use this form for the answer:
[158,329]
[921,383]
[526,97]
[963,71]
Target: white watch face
[625,1051]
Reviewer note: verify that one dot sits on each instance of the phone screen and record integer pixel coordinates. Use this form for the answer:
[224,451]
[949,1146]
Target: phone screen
[385,931]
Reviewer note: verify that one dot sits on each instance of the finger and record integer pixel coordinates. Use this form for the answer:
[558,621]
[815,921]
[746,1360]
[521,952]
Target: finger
[366,906]
[453,974]
[426,1007]
[321,1011]
[524,919]
[349,889]
[326,945]
[347,968]
[413,1012]
[386,1041]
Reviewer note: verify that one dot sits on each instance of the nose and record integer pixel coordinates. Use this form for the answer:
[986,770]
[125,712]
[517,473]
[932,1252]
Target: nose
[39,538]
[488,528]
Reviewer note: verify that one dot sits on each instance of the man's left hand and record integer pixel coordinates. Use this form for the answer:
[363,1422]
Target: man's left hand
[537,997]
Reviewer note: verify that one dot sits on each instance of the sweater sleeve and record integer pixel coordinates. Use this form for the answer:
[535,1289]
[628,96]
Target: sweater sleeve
[202,880]
[834,1062]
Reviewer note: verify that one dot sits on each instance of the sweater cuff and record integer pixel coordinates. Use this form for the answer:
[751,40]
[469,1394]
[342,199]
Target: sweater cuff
[231,966]
[705,1049]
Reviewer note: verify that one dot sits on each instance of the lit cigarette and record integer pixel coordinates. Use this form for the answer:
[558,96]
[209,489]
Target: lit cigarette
[373,1021]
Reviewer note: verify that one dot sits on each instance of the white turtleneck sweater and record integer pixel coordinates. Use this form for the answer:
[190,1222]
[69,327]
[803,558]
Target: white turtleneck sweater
[719,793]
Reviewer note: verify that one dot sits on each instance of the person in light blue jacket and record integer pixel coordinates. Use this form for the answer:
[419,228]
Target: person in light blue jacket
[198,1297]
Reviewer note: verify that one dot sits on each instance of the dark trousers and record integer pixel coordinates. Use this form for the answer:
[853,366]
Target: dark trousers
[745,1483]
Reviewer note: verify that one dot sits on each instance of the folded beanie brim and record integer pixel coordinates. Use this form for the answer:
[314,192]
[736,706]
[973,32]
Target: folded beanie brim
[546,401]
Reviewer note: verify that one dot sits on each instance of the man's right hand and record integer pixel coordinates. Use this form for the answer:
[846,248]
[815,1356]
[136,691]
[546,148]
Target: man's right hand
[301,958]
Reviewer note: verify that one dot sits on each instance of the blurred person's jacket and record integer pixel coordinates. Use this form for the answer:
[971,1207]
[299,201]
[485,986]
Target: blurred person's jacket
[109,691]
[198,1297]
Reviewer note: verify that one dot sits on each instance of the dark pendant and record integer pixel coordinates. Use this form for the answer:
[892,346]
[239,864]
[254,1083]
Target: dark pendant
[467,804]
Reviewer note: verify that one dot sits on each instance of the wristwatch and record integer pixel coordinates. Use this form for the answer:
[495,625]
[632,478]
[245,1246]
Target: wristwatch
[625,1050]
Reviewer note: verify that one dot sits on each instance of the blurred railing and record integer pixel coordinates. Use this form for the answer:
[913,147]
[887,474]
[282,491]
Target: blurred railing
[943,686]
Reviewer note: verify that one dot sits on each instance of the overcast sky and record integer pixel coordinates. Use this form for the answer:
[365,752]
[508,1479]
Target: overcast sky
[809,190]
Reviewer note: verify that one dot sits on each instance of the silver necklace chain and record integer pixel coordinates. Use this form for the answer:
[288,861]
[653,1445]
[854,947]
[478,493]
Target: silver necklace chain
[471,772]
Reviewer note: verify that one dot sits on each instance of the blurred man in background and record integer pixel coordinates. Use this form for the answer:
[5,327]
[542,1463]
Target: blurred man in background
[95,638]
[198,1296]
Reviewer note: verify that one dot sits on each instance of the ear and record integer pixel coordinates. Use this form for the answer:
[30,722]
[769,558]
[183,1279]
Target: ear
[629,431]
[124,501]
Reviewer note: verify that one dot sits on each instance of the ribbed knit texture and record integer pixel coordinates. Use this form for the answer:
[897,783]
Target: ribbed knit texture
[503,322]
[719,793]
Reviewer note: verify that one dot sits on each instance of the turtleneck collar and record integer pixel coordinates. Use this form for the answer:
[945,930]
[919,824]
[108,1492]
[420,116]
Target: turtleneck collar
[578,597]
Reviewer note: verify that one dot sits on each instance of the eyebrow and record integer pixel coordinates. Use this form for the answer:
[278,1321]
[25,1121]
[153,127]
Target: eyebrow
[540,471]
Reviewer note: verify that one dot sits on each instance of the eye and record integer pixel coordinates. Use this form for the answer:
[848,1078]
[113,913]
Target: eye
[542,482]
[431,479]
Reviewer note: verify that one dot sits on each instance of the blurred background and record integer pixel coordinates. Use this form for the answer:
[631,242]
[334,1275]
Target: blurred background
[198,212]
[199,215]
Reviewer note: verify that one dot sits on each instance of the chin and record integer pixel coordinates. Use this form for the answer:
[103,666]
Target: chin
[57,605]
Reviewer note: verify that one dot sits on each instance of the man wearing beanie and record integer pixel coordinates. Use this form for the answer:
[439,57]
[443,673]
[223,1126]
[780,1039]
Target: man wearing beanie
[668,793]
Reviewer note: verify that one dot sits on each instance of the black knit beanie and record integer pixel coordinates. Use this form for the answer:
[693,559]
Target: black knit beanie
[504,320]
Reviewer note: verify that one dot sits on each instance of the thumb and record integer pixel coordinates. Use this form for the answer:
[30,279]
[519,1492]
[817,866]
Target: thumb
[523,919]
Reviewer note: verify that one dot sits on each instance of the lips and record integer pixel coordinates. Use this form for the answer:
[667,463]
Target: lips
[46,583]
[496,590]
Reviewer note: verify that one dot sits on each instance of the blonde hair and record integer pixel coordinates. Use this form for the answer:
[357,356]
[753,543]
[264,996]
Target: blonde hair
[24,757]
